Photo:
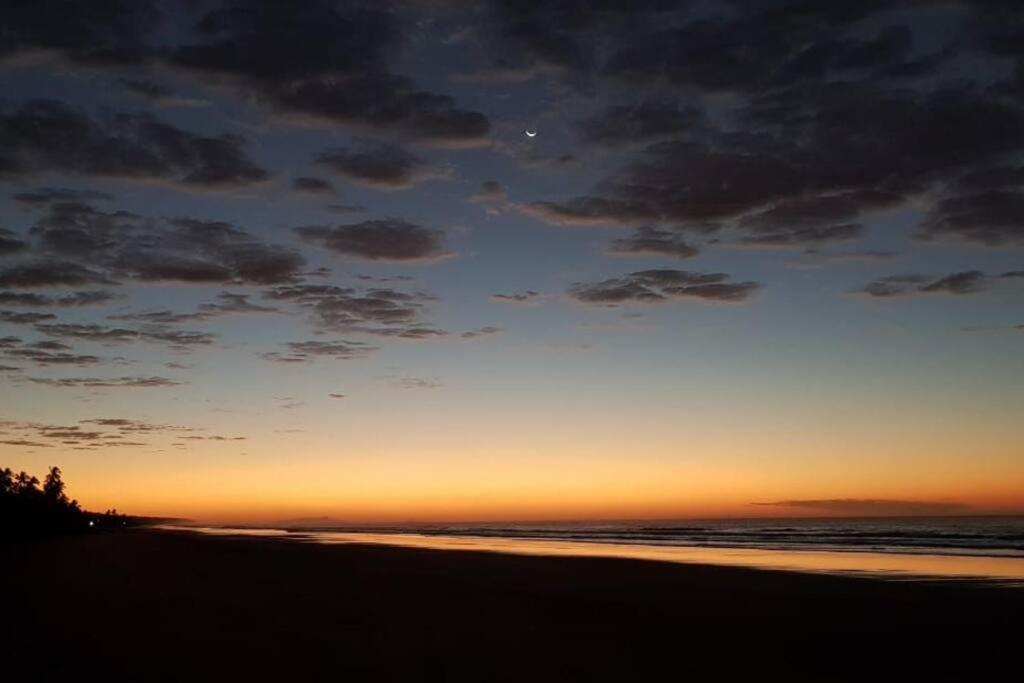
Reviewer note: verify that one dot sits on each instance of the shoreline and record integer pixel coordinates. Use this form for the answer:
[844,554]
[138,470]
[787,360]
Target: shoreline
[161,605]
[1003,570]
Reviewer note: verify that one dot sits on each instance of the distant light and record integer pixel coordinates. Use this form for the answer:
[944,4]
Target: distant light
[92,523]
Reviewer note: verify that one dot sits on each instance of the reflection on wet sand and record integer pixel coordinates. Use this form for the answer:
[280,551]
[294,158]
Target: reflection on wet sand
[1008,570]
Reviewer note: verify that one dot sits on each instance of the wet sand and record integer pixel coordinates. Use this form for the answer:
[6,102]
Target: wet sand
[161,605]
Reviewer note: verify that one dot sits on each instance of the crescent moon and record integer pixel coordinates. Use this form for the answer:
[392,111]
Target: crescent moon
[530,134]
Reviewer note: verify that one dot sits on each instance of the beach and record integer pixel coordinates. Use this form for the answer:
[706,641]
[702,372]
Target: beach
[172,605]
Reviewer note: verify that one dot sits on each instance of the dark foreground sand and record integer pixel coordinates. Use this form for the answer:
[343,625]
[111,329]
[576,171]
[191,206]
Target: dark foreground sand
[152,605]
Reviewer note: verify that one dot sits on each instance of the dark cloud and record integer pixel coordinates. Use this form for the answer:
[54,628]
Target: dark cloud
[490,192]
[148,89]
[816,211]
[10,243]
[379,312]
[1012,274]
[379,240]
[307,351]
[333,395]
[49,195]
[656,286]
[230,304]
[378,165]
[82,298]
[118,335]
[49,273]
[803,237]
[48,136]
[621,125]
[48,358]
[1001,177]
[517,297]
[485,331]
[326,63]
[992,218]
[870,506]
[159,95]
[97,382]
[130,425]
[106,32]
[48,352]
[807,161]
[590,211]
[413,332]
[50,345]
[84,245]
[345,208]
[965,282]
[385,278]
[312,186]
[647,241]
[26,443]
[19,318]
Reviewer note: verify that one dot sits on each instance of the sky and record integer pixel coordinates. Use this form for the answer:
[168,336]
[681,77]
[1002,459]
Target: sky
[434,260]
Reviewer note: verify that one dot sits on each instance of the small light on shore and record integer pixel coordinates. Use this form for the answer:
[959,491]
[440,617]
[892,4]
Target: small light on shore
[92,523]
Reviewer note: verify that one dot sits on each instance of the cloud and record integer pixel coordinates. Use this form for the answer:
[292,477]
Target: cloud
[103,33]
[993,218]
[108,432]
[378,165]
[332,395]
[620,125]
[647,241]
[801,165]
[131,425]
[48,195]
[657,286]
[526,297]
[382,312]
[231,304]
[415,382]
[312,186]
[803,237]
[490,192]
[10,243]
[25,442]
[78,244]
[378,240]
[325,64]
[345,208]
[47,353]
[49,273]
[83,298]
[119,335]
[338,349]
[486,331]
[964,282]
[44,136]
[96,382]
[589,211]
[870,506]
[159,95]
[19,318]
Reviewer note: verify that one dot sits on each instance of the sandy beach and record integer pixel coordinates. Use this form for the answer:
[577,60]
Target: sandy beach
[160,605]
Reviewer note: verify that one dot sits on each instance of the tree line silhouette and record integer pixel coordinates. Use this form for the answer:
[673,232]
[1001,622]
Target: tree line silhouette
[28,510]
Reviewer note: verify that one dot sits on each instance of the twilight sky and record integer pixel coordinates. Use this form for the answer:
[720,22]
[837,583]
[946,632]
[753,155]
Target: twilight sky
[262,260]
